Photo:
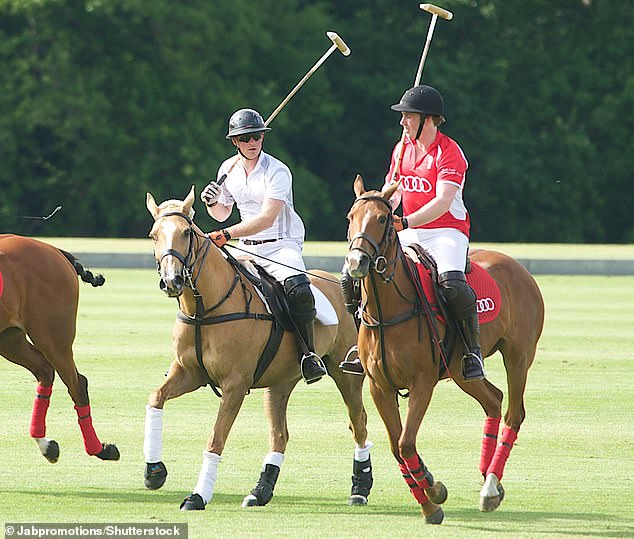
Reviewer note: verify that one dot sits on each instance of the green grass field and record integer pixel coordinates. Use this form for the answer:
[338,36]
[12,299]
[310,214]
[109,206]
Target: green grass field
[569,475]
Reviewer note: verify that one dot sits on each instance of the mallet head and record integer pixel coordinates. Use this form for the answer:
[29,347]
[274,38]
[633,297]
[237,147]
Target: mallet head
[334,37]
[435,10]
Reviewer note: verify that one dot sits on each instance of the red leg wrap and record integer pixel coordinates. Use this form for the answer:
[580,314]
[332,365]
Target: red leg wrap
[502,452]
[92,445]
[489,441]
[419,472]
[40,407]
[418,492]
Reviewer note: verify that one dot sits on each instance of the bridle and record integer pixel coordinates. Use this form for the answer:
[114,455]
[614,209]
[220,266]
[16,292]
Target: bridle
[378,259]
[190,259]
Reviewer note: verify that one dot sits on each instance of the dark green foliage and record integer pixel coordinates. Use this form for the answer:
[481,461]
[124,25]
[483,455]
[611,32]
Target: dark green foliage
[101,101]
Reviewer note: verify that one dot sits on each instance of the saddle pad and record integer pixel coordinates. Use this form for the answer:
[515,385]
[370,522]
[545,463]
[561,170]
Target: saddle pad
[326,313]
[489,299]
[1,284]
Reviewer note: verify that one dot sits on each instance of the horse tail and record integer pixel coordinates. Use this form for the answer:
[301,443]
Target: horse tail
[86,275]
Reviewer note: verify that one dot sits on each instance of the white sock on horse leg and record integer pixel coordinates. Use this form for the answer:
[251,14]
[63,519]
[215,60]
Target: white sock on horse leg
[207,477]
[153,442]
[274,458]
[361,454]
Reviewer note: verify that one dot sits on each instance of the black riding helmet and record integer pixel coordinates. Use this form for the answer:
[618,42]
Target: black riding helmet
[422,99]
[245,121]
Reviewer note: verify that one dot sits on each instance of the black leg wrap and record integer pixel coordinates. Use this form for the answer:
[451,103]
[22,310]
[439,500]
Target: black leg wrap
[263,491]
[361,482]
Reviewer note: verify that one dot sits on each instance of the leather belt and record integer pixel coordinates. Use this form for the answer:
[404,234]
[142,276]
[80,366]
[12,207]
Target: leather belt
[259,242]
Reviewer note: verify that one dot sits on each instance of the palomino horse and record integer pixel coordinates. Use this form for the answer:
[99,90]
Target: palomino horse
[221,331]
[38,312]
[395,357]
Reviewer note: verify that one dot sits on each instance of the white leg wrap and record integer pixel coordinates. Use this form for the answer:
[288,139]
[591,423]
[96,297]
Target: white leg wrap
[207,477]
[361,454]
[153,442]
[274,458]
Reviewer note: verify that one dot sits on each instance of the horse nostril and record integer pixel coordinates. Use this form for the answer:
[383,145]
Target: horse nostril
[162,285]
[179,281]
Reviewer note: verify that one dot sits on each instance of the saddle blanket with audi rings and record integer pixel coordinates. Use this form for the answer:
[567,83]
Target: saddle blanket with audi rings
[489,299]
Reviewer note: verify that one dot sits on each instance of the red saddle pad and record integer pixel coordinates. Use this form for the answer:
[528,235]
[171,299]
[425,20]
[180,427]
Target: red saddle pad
[489,299]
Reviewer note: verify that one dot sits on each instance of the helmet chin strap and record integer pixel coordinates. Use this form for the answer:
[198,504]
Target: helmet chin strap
[420,126]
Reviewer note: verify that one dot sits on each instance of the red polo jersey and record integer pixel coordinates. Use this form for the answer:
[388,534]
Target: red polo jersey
[443,162]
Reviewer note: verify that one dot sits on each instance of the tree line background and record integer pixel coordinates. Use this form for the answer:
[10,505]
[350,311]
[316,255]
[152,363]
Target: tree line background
[104,100]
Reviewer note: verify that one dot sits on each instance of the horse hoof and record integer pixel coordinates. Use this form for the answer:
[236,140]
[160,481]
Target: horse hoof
[357,499]
[436,517]
[52,452]
[438,494]
[193,502]
[108,452]
[491,495]
[155,475]
[250,501]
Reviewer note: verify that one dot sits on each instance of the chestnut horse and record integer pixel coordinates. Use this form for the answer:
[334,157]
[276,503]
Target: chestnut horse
[222,328]
[396,358]
[38,313]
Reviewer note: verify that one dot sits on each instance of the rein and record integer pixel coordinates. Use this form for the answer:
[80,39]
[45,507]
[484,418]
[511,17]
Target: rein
[202,315]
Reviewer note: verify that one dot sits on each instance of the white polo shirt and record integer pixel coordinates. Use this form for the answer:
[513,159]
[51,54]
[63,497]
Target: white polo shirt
[269,179]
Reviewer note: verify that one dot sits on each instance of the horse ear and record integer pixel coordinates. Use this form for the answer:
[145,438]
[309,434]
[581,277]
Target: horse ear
[189,202]
[387,192]
[359,188]
[150,204]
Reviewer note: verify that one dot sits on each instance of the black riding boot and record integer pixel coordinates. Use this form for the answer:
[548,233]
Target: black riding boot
[352,298]
[462,303]
[472,364]
[302,306]
[312,366]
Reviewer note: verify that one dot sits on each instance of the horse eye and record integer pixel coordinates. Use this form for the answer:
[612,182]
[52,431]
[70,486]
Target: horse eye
[383,219]
[187,232]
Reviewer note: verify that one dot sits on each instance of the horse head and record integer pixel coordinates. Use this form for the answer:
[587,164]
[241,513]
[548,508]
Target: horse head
[371,230]
[174,236]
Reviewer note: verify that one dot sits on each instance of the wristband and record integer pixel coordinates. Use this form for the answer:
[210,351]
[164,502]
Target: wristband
[226,234]
[404,222]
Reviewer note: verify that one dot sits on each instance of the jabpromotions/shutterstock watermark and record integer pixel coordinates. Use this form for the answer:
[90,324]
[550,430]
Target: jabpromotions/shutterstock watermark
[118,530]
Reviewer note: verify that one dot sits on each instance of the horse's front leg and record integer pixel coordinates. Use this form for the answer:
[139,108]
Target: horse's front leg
[232,397]
[431,493]
[178,382]
[275,405]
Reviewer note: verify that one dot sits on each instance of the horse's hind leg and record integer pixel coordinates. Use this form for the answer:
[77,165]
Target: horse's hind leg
[15,347]
[57,348]
[351,389]
[517,361]
[275,404]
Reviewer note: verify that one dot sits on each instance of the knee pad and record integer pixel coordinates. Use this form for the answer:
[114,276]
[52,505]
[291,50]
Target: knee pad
[459,295]
[300,297]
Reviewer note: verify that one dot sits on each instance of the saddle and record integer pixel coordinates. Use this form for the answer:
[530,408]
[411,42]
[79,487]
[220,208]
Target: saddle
[424,274]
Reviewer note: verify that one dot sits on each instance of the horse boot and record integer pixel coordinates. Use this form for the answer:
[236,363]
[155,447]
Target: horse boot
[352,299]
[462,303]
[301,303]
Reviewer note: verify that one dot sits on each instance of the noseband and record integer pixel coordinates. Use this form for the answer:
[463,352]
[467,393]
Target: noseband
[378,261]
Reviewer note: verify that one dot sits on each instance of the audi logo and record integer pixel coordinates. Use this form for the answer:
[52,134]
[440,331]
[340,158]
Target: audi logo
[416,184]
[485,305]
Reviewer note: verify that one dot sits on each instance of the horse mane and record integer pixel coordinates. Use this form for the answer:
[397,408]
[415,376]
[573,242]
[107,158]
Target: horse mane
[86,275]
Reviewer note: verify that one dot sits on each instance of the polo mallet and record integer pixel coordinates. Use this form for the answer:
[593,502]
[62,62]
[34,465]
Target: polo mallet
[337,43]
[37,218]
[435,13]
